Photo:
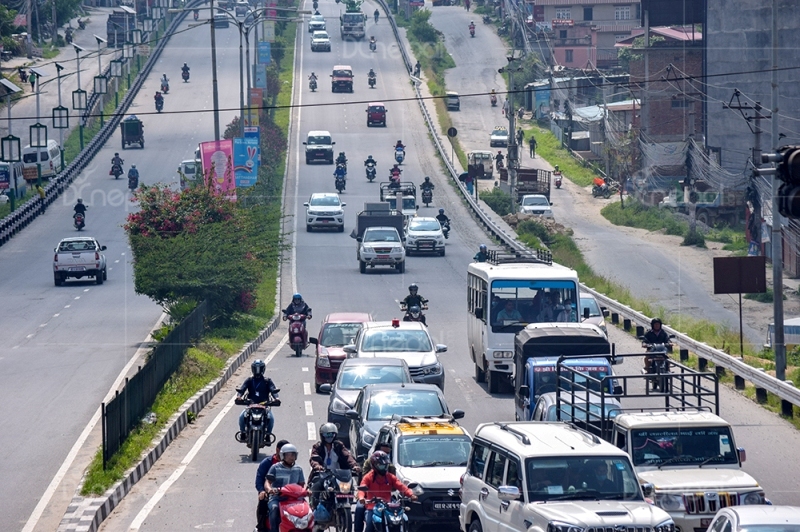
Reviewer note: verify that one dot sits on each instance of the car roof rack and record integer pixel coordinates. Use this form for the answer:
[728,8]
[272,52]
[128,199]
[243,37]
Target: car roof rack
[518,433]
[538,256]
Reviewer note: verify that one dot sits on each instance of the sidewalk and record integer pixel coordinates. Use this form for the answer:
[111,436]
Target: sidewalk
[23,111]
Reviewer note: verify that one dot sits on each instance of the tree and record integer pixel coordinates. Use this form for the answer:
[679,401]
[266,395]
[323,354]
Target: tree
[624,159]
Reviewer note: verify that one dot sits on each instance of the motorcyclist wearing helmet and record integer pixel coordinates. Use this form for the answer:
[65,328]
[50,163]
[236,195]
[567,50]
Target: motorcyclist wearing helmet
[394,176]
[185,68]
[380,483]
[656,335]
[257,389]
[370,161]
[341,158]
[262,511]
[133,173]
[499,158]
[471,25]
[358,514]
[297,306]
[415,314]
[413,299]
[442,217]
[427,185]
[80,208]
[312,77]
[279,475]
[164,79]
[482,255]
[400,146]
[328,453]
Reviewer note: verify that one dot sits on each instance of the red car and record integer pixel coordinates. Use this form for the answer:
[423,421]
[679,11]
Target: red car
[338,330]
[376,114]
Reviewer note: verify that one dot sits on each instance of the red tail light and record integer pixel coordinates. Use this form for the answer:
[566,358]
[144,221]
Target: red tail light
[395,322]
[55,257]
[461,479]
[96,255]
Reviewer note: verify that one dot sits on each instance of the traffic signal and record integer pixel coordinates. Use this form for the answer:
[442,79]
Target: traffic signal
[788,171]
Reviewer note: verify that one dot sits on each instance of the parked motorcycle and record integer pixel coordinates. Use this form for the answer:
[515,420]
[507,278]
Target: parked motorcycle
[312,84]
[659,364]
[399,155]
[185,76]
[371,172]
[298,335]
[372,80]
[78,221]
[255,425]
[487,19]
[116,170]
[427,196]
[334,499]
[296,513]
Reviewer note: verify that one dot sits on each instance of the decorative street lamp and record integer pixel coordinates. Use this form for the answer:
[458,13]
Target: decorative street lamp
[116,68]
[147,24]
[79,96]
[100,81]
[136,34]
[38,131]
[60,114]
[9,145]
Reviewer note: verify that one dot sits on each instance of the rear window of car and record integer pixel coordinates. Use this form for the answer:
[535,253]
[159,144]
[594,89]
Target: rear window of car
[319,140]
[339,334]
[356,377]
[31,157]
[83,245]
[383,405]
[343,73]
[376,108]
[389,341]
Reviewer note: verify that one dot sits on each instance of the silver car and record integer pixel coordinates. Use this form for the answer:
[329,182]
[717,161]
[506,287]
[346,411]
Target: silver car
[324,209]
[320,41]
[536,204]
[597,314]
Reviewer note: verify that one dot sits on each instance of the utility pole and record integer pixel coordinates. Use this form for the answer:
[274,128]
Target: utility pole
[29,29]
[215,91]
[513,151]
[55,26]
[645,107]
[776,239]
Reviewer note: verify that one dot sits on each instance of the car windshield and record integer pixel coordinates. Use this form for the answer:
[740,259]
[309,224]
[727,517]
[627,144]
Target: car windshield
[324,201]
[683,446]
[500,132]
[384,405]
[769,528]
[320,35]
[591,304]
[356,377]
[381,236]
[320,139]
[317,18]
[396,340]
[189,168]
[532,301]
[339,334]
[80,245]
[431,451]
[424,225]
[342,73]
[535,200]
[376,109]
[353,18]
[581,478]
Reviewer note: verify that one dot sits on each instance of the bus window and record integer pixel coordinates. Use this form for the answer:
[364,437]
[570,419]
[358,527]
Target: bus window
[516,303]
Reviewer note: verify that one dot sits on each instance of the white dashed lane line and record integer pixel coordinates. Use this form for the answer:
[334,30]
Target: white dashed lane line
[306,388]
[309,409]
[305,369]
[312,431]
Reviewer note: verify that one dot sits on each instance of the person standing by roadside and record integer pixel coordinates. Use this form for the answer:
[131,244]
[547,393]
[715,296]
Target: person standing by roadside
[32,78]
[520,136]
[532,146]
[40,191]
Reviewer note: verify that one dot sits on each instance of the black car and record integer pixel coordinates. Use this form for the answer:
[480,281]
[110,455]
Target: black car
[377,403]
[353,375]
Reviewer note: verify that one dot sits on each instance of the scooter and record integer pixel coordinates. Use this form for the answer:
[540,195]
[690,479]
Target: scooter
[472,31]
[298,335]
[160,105]
[165,87]
[446,230]
[133,182]
[78,221]
[296,513]
[427,196]
[340,183]
[399,155]
[372,46]
[312,84]
[493,99]
[116,171]
[499,164]
[557,179]
[371,172]
[185,76]
[255,425]
[371,82]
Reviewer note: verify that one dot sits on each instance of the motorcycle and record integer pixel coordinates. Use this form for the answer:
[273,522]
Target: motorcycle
[557,178]
[371,172]
[605,190]
[399,155]
[472,31]
[487,19]
[312,84]
[255,425]
[68,35]
[372,81]
[427,196]
[390,516]
[446,230]
[160,105]
[340,184]
[372,46]
[196,14]
[499,164]
[116,171]
[408,317]
[659,364]
[493,99]
[334,500]
[133,182]
[296,513]
[164,86]
[78,221]
[185,76]
[81,24]
[315,5]
[298,335]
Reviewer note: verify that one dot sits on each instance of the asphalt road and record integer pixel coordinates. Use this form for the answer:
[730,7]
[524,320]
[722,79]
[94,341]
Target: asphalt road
[65,346]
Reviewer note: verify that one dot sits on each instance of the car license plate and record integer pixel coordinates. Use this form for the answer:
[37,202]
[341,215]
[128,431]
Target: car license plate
[325,221]
[445,506]
[77,269]
[383,256]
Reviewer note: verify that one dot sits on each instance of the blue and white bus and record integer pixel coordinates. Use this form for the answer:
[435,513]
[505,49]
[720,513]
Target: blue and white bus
[506,294]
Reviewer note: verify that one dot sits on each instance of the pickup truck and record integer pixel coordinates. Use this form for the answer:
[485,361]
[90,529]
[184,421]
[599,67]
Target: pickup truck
[79,257]
[379,233]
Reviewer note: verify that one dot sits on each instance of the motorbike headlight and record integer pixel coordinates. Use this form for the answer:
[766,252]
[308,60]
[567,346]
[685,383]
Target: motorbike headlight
[418,491]
[337,405]
[669,502]
[558,526]
[503,354]
[757,497]
[665,526]
[299,522]
[323,361]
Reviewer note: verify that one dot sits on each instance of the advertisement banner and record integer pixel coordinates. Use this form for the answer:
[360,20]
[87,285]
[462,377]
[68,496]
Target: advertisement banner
[264,52]
[269,30]
[245,161]
[5,177]
[271,13]
[260,76]
[217,157]
[254,133]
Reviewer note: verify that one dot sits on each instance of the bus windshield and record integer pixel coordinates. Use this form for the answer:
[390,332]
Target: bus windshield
[516,303]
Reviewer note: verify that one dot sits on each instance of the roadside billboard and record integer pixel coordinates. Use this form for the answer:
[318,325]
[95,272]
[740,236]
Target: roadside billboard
[245,161]
[217,157]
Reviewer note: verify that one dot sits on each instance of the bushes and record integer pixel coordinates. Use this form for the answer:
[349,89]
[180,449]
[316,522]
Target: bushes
[422,29]
[498,201]
[636,214]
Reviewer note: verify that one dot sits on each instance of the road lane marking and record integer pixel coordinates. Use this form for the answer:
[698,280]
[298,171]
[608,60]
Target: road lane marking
[67,306]
[56,315]
[86,289]
[306,388]
[312,431]
[77,297]
[30,335]
[309,408]
[305,369]
[42,325]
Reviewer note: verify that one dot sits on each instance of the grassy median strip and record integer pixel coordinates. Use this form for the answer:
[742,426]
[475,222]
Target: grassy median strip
[204,361]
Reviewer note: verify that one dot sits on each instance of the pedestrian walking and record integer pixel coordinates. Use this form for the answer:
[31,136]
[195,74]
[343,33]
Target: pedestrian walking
[532,146]
[40,191]
[32,78]
[466,4]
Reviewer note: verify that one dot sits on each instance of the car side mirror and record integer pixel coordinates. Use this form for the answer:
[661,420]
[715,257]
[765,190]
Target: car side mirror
[604,311]
[313,341]
[586,313]
[351,414]
[441,348]
[359,239]
[479,313]
[344,204]
[305,144]
[508,493]
[325,388]
[524,391]
[350,349]
[102,248]
[457,414]
[305,204]
[648,489]
[742,454]
[333,143]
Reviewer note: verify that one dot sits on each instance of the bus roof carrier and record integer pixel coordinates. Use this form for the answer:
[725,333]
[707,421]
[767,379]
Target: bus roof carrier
[518,433]
[539,256]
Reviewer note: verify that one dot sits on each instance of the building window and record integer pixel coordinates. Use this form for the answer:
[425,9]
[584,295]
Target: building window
[562,34]
[680,104]
[568,56]
[587,13]
[622,12]
[563,13]
[620,37]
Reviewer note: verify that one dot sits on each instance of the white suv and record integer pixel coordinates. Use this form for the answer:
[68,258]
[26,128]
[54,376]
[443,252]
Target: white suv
[324,209]
[552,477]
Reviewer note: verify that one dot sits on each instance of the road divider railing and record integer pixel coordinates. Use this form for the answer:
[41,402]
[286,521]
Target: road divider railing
[762,381]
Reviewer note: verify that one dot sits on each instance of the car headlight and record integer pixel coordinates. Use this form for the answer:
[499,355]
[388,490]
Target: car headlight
[756,497]
[337,405]
[665,526]
[338,213]
[669,502]
[558,526]
[368,439]
[411,240]
[433,369]
[418,491]
[503,354]
[323,361]
[397,249]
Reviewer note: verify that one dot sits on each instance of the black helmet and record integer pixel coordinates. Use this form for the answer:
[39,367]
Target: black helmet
[654,321]
[413,288]
[414,311]
[379,461]
[482,247]
[441,211]
[427,179]
[258,368]
[328,432]
[80,200]
[116,154]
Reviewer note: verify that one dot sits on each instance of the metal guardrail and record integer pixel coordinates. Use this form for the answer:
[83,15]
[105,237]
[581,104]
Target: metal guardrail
[16,221]
[761,380]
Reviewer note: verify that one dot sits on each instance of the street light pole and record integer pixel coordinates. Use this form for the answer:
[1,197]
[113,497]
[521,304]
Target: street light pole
[241,79]
[214,74]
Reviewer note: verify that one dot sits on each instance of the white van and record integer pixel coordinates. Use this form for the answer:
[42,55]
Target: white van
[188,172]
[50,159]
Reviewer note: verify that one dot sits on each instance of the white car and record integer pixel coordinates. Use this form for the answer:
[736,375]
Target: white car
[756,518]
[317,23]
[424,235]
[597,314]
[536,204]
[324,209]
[320,41]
